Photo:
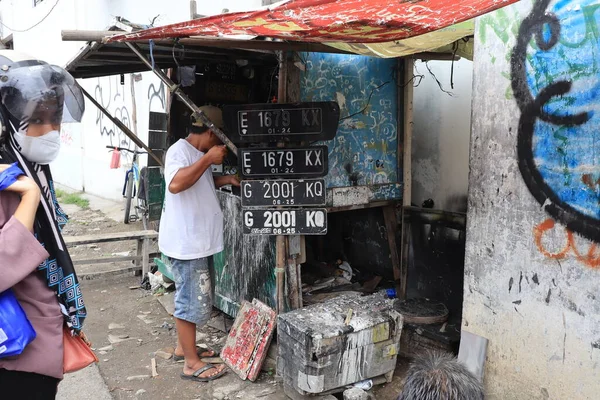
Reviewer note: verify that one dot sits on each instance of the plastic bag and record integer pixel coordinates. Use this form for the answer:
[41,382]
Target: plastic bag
[9,176]
[16,331]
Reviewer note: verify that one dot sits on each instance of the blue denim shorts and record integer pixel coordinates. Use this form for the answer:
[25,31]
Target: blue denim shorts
[193,290]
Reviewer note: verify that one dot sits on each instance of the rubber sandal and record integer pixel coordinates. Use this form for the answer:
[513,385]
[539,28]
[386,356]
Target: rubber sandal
[200,351]
[212,360]
[196,375]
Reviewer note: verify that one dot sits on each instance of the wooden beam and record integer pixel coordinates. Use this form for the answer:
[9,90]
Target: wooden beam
[391,226]
[281,255]
[69,35]
[374,204]
[256,45]
[109,237]
[408,130]
[407,171]
[404,248]
[104,260]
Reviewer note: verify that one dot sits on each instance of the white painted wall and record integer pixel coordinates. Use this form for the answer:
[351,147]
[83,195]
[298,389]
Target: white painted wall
[84,161]
[442,126]
[532,282]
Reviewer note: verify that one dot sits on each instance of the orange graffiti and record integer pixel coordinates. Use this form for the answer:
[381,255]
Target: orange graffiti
[591,259]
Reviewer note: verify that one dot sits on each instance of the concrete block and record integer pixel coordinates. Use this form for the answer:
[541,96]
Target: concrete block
[356,394]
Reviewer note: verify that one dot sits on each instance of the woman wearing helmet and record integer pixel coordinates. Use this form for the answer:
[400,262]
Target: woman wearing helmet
[35,98]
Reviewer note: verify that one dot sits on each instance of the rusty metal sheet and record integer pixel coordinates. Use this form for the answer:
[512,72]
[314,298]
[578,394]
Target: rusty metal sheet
[349,21]
[249,339]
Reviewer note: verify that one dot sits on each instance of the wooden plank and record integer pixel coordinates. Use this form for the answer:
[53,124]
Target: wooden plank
[140,244]
[112,272]
[391,226]
[109,237]
[249,339]
[408,131]
[404,252]
[281,246]
[145,257]
[102,260]
[374,204]
[407,172]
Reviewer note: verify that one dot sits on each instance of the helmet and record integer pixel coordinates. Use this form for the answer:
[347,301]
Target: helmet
[36,92]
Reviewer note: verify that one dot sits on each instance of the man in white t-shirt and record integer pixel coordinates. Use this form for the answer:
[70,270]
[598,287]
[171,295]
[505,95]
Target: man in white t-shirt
[191,231]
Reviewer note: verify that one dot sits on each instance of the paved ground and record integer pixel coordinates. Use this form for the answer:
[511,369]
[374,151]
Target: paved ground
[86,384]
[128,326]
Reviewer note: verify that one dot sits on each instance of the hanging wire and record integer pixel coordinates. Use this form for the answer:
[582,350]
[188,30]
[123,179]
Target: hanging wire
[151,43]
[32,26]
[437,80]
[271,84]
[455,45]
[182,51]
[368,102]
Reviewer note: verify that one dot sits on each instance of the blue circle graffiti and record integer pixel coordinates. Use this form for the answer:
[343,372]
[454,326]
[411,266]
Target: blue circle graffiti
[556,82]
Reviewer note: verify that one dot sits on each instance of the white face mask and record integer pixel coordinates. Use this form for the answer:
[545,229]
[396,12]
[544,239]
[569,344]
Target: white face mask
[42,149]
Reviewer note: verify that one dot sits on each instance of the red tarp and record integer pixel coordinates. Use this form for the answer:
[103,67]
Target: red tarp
[350,21]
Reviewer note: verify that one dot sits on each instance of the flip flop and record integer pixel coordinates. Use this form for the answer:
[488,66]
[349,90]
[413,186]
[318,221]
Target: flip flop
[200,351]
[212,360]
[196,375]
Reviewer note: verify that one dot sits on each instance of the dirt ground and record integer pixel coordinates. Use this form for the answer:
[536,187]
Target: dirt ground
[128,326]
[90,222]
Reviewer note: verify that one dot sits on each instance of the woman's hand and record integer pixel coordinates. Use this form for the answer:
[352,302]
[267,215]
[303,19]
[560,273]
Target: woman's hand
[25,186]
[30,195]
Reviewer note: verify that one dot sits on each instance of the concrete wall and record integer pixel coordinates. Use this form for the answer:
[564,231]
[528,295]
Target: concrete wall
[441,131]
[84,161]
[531,276]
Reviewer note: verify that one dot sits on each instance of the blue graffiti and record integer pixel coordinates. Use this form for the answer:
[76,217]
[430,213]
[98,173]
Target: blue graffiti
[364,151]
[556,80]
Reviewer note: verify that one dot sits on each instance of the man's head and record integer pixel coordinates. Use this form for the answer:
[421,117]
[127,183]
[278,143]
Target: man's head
[201,134]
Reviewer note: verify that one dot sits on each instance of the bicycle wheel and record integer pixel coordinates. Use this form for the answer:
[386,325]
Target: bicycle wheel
[143,209]
[128,195]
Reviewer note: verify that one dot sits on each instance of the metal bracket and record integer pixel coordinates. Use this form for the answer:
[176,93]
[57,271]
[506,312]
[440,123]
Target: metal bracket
[176,90]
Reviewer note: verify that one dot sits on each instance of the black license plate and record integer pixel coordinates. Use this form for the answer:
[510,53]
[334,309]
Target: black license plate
[310,162]
[285,222]
[285,192]
[282,122]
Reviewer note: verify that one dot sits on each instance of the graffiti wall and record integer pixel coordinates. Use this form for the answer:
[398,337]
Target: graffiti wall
[556,82]
[532,261]
[364,152]
[129,99]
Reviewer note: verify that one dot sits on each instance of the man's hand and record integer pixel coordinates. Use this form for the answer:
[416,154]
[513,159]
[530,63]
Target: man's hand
[217,154]
[234,181]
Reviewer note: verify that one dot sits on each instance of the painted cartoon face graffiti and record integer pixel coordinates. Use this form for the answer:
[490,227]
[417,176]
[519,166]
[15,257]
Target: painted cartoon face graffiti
[555,73]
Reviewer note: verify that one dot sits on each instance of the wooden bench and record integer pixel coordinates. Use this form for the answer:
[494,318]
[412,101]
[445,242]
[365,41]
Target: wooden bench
[142,258]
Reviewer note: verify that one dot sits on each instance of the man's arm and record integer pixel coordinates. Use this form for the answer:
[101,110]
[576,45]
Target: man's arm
[226,180]
[186,177]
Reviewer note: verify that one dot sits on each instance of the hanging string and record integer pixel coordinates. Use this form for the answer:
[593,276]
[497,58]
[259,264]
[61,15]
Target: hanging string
[152,52]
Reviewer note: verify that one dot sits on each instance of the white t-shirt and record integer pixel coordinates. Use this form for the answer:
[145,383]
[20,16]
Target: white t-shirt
[191,225]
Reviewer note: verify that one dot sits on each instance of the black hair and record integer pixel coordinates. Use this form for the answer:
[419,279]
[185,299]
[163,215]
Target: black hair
[198,129]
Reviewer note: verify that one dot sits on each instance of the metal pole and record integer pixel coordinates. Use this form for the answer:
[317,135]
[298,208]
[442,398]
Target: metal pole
[198,114]
[124,128]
